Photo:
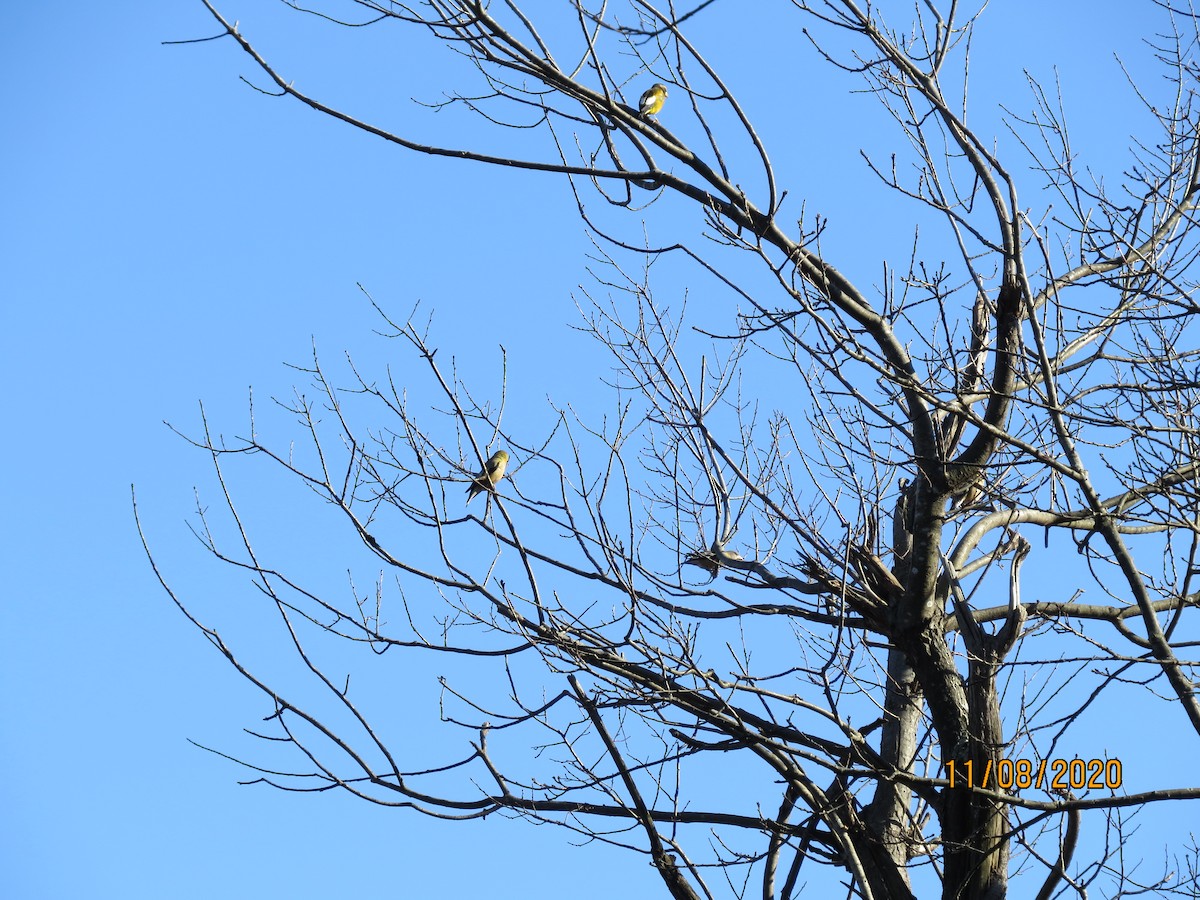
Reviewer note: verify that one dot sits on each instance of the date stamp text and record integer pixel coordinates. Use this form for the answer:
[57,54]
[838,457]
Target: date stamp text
[1053,774]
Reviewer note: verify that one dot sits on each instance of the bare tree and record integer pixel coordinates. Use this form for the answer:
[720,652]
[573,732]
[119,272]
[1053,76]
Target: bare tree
[820,598]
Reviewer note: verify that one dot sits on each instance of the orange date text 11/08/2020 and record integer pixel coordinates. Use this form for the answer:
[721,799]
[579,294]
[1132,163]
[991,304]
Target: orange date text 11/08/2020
[1054,774]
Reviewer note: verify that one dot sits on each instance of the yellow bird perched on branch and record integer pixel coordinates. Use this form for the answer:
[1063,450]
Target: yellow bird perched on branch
[493,471]
[652,101]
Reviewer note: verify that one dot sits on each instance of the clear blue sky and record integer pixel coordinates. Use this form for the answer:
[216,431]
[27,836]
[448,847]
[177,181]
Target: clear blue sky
[167,235]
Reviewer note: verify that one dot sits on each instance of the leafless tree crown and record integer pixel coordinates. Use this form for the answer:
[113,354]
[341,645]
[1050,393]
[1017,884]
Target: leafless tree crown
[764,613]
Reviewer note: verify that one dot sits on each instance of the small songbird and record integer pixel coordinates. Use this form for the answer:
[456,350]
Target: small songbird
[492,472]
[652,101]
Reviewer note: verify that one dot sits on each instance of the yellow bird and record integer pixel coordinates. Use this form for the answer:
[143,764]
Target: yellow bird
[652,101]
[492,472]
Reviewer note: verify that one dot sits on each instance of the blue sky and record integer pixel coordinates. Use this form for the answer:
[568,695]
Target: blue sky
[169,236]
